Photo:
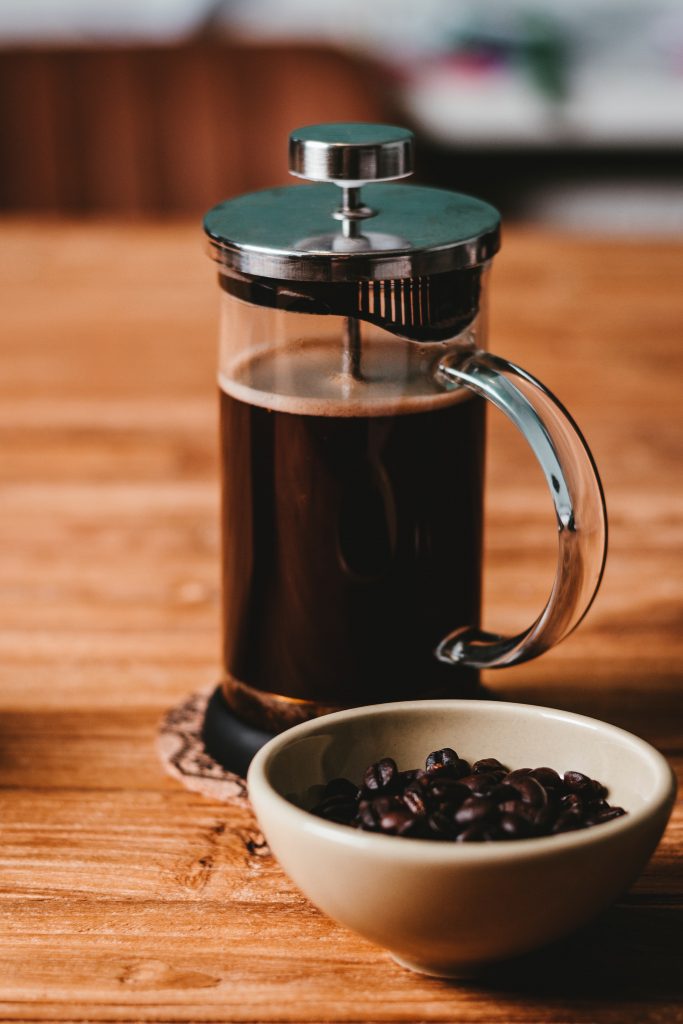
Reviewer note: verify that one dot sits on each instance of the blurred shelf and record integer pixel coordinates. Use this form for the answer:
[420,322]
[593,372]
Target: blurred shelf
[602,111]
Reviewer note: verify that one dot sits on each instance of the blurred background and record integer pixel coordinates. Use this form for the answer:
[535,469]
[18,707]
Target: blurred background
[567,114]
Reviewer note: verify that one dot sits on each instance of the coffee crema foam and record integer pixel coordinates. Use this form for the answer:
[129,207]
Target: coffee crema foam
[306,379]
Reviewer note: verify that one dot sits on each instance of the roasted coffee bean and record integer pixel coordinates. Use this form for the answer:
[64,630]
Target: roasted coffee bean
[522,810]
[340,787]
[381,775]
[367,817]
[448,791]
[337,808]
[514,826]
[453,800]
[459,769]
[398,822]
[475,808]
[343,814]
[594,792]
[589,789]
[575,780]
[414,797]
[477,833]
[608,813]
[370,812]
[596,809]
[548,778]
[487,765]
[330,801]
[442,825]
[441,759]
[452,770]
[493,778]
[480,785]
[471,781]
[531,791]
[502,792]
[568,821]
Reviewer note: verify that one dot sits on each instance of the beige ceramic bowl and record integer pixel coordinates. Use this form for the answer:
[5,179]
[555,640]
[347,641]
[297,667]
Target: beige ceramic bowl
[441,908]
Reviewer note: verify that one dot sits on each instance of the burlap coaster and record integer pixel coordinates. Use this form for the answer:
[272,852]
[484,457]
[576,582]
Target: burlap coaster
[182,752]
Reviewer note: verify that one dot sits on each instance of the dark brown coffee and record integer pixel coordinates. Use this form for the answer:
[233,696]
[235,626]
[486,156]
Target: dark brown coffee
[352,521]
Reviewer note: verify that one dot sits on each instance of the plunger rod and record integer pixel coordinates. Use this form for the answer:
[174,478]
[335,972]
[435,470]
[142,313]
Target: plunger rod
[351,358]
[351,354]
[350,204]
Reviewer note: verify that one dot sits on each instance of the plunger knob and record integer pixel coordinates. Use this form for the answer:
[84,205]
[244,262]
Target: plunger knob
[351,154]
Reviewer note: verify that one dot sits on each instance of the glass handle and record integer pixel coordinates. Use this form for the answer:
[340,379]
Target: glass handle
[577,495]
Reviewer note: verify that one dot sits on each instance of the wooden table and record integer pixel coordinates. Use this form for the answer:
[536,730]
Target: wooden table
[125,897]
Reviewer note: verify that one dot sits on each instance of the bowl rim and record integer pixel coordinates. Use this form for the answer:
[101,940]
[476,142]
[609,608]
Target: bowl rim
[270,800]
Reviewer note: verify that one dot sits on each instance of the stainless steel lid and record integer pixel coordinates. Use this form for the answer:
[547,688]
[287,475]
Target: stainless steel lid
[318,232]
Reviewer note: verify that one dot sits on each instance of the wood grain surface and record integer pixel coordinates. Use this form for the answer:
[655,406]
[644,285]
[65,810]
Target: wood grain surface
[122,896]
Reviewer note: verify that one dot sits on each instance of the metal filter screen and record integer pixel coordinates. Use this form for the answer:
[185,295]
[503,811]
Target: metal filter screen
[428,308]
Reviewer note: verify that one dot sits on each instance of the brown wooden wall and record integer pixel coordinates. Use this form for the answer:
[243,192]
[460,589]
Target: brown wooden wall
[172,130]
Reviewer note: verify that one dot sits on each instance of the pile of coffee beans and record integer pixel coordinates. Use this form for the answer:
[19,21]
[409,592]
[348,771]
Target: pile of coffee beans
[451,799]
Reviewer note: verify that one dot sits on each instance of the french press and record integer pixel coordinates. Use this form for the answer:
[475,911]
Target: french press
[354,377]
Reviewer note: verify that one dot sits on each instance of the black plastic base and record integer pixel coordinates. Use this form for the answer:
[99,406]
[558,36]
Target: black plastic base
[230,742]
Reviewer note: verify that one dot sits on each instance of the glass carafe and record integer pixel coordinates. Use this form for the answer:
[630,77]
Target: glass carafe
[354,376]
